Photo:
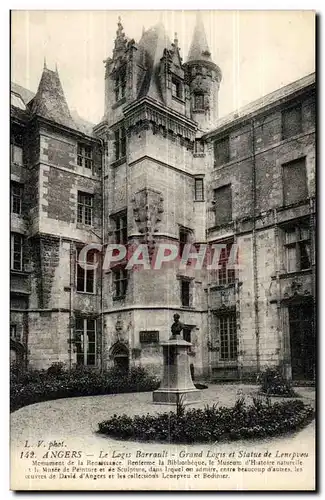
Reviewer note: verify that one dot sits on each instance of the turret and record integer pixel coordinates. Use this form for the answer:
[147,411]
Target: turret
[204,78]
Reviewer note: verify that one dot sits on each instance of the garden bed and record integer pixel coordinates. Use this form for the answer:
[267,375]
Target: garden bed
[212,424]
[55,383]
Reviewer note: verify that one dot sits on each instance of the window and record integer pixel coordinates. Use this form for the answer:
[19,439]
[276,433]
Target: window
[198,146]
[221,151]
[297,248]
[187,333]
[198,102]
[225,275]
[121,228]
[184,234]
[199,189]
[149,337]
[294,181]
[185,293]
[84,156]
[16,154]
[86,278]
[120,143]
[120,281]
[16,197]
[228,337]
[223,204]
[85,208]
[17,241]
[120,85]
[85,341]
[14,332]
[291,121]
[177,90]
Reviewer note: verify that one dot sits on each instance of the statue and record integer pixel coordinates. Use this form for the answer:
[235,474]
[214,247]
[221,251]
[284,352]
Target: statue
[176,327]
[176,381]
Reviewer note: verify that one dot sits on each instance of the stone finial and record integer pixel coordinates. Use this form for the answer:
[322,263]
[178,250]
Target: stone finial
[120,42]
[44,65]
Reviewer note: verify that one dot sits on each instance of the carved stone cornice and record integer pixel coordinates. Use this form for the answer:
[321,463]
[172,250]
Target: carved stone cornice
[148,110]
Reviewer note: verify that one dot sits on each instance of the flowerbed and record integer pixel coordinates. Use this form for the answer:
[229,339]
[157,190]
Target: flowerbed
[273,383]
[211,424]
[36,386]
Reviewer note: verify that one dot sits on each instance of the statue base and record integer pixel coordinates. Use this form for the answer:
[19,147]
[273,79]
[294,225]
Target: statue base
[172,397]
[177,385]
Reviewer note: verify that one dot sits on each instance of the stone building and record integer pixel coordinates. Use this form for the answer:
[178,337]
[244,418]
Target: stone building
[161,167]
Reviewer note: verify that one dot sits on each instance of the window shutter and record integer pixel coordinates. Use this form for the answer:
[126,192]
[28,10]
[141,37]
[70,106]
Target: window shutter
[223,205]
[294,181]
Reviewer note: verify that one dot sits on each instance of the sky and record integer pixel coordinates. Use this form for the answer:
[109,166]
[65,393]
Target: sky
[257,51]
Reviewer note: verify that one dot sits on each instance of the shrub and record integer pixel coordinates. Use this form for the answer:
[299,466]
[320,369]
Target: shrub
[273,383]
[213,423]
[36,386]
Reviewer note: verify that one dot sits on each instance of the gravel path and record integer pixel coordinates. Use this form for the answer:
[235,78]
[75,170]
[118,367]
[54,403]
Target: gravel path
[78,417]
[75,421]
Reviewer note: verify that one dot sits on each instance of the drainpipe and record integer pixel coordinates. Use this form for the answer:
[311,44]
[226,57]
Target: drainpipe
[209,327]
[71,326]
[101,260]
[255,280]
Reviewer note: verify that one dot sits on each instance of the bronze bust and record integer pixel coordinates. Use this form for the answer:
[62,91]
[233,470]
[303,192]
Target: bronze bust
[177,327]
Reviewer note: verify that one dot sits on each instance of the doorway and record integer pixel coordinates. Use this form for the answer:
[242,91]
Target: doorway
[120,355]
[302,341]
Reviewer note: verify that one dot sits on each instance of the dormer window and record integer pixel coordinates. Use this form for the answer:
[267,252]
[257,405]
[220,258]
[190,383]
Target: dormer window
[120,85]
[198,102]
[177,88]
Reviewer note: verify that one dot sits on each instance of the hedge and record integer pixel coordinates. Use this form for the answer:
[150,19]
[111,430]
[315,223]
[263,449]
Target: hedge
[212,424]
[36,386]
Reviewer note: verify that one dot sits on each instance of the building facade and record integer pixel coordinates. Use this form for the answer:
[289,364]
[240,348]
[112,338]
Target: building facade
[161,168]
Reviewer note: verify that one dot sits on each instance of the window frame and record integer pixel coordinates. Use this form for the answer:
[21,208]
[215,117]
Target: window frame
[228,337]
[297,106]
[120,85]
[85,156]
[296,244]
[226,276]
[215,191]
[14,235]
[83,209]
[177,88]
[120,231]
[226,158]
[120,282]
[16,336]
[287,165]
[196,96]
[119,143]
[84,342]
[184,281]
[91,259]
[197,191]
[183,241]
[14,197]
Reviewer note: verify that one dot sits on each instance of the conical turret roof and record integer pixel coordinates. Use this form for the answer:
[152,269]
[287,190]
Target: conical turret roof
[49,101]
[199,49]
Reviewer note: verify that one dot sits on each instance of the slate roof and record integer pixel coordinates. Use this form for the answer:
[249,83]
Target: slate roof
[199,49]
[262,102]
[50,103]
[151,46]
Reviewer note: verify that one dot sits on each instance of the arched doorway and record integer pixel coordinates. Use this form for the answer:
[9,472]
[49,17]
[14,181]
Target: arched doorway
[120,355]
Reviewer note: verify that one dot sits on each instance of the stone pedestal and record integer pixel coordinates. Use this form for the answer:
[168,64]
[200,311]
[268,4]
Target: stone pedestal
[177,384]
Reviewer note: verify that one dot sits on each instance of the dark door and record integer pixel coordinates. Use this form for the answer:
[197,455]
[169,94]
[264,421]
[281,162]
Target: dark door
[122,363]
[302,341]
